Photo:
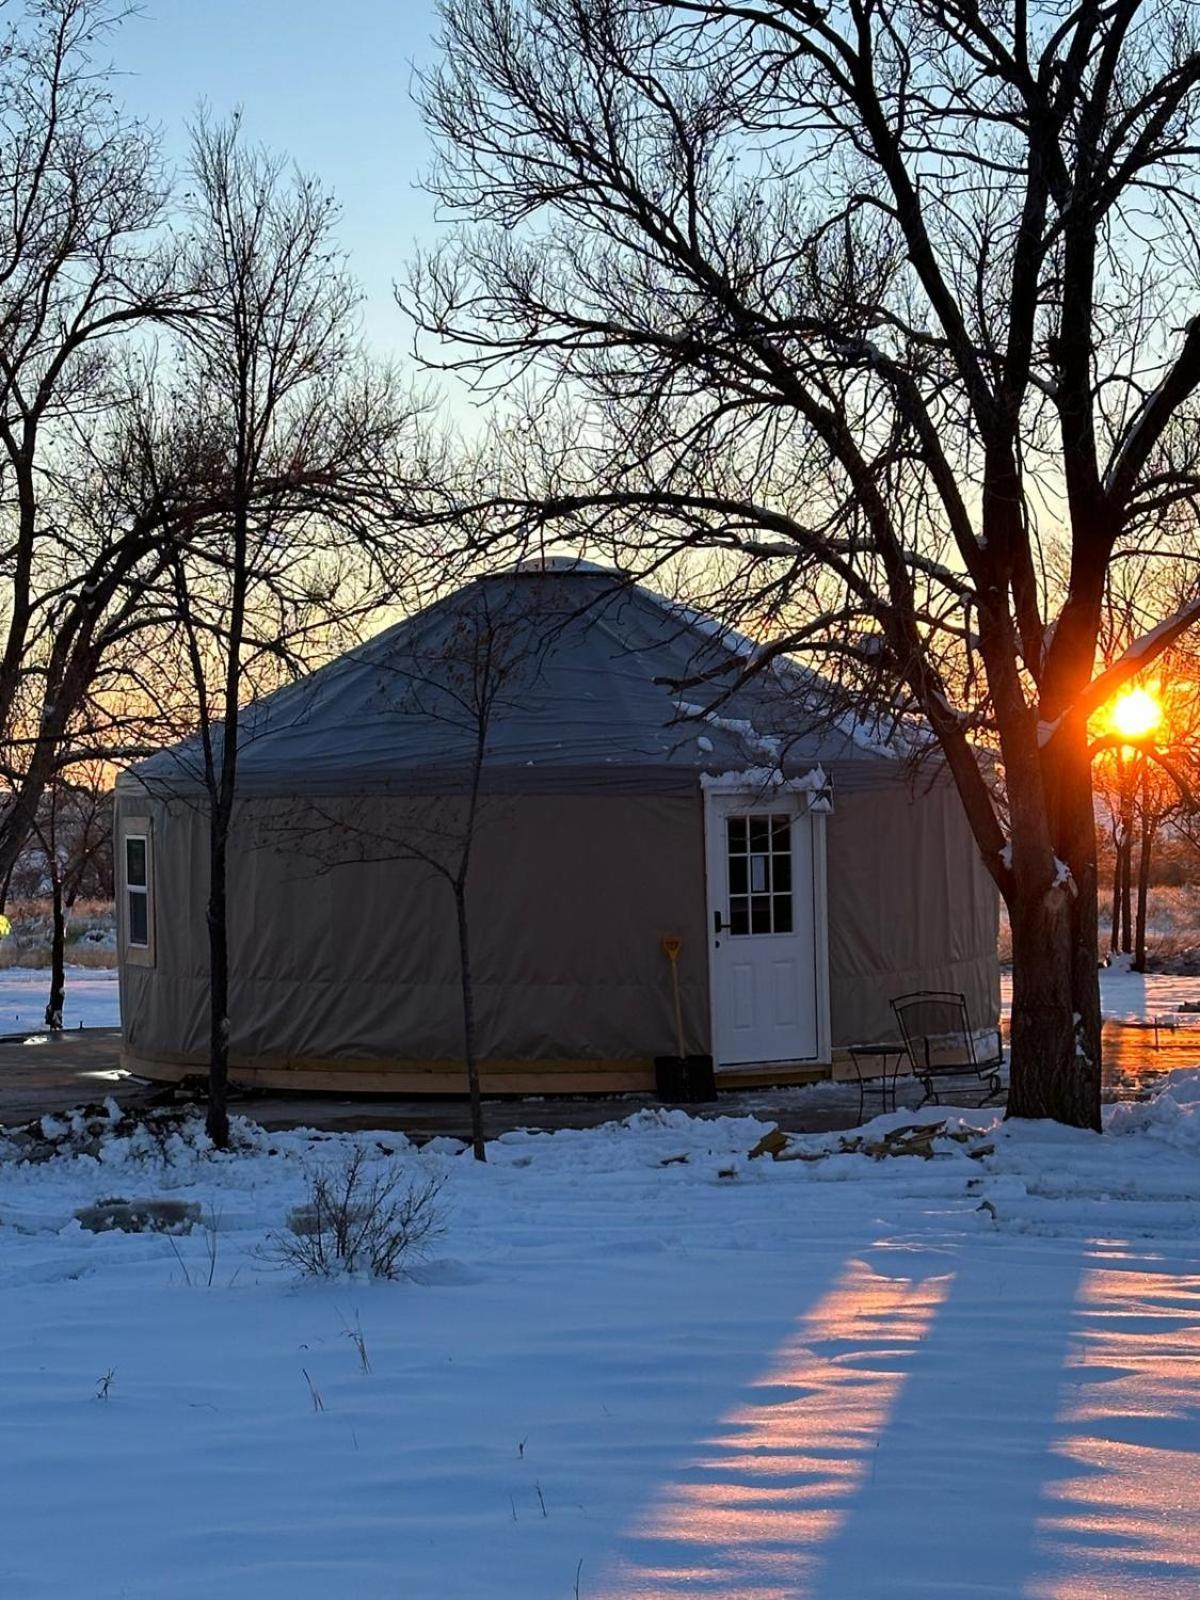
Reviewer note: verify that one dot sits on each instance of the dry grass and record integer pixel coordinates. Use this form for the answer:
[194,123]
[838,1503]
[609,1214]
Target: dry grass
[91,935]
[1172,923]
[1173,918]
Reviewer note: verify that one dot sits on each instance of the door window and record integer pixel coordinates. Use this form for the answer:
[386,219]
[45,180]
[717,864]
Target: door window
[759,853]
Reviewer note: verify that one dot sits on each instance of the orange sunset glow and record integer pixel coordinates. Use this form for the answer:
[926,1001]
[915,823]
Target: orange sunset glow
[1136,714]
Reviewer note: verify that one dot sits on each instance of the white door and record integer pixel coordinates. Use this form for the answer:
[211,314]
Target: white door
[764,883]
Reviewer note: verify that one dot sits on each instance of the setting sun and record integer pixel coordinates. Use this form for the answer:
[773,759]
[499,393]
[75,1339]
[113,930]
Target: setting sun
[1136,714]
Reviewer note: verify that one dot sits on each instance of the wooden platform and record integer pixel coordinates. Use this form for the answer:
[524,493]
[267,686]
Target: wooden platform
[440,1079]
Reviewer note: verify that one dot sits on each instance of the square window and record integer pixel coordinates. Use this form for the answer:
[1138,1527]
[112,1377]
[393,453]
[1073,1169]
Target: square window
[760,833]
[739,914]
[760,914]
[783,913]
[736,831]
[738,881]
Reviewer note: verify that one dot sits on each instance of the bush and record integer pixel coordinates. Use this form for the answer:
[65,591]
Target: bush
[355,1221]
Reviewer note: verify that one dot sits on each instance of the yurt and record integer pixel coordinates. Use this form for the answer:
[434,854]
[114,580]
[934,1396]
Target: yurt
[596,769]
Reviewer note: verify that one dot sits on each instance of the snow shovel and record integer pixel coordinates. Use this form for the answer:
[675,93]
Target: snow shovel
[682,1078]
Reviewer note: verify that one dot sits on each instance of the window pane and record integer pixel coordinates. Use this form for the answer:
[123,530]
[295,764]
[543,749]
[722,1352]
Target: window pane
[760,914]
[737,875]
[739,914]
[758,875]
[135,863]
[781,833]
[783,913]
[781,872]
[736,829]
[139,918]
[760,833]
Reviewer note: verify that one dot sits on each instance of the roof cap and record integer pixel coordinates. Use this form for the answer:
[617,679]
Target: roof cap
[535,566]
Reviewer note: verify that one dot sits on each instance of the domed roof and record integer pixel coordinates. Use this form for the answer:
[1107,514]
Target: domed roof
[576,680]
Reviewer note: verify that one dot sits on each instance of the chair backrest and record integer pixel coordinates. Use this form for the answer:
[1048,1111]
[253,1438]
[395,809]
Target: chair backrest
[936,1029]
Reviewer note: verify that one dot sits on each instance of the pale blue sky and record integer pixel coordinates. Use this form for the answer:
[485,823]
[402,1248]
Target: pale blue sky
[329,85]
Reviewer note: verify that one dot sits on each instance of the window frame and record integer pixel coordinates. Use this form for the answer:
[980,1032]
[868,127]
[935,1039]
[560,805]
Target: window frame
[137,954]
[776,899]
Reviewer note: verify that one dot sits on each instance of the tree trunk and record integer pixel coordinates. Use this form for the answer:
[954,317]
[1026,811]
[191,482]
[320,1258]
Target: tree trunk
[1143,894]
[218,993]
[1116,930]
[222,782]
[1123,937]
[1127,863]
[1055,1034]
[478,1142]
[1042,1036]
[58,944]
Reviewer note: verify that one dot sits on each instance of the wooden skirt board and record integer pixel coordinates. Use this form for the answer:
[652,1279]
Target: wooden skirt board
[407,1078]
[445,1078]
[773,1077]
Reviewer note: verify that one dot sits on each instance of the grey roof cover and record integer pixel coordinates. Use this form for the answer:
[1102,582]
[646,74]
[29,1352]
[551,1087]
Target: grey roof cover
[575,676]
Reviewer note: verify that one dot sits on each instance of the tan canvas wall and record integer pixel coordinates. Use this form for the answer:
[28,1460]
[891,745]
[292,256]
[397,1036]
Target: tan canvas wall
[911,906]
[569,898]
[336,962]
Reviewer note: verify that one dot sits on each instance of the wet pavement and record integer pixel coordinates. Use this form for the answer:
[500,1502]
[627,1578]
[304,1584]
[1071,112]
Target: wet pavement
[45,1073]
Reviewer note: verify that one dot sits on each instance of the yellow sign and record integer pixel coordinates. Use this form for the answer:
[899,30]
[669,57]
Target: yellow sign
[671,947]
[5,927]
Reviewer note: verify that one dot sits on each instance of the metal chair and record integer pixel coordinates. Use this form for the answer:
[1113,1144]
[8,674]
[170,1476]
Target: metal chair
[936,1028]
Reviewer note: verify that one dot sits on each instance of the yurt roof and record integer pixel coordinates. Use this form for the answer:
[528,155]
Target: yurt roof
[586,677]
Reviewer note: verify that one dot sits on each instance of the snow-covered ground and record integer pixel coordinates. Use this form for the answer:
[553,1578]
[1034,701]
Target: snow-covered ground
[91,998]
[639,1366]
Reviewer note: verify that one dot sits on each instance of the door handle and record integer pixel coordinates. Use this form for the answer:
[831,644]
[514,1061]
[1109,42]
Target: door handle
[718,925]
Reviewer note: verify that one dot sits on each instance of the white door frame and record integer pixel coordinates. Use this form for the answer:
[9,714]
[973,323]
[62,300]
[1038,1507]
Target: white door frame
[756,793]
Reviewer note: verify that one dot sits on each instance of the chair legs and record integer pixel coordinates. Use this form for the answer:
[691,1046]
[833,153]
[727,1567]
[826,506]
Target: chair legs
[992,1083]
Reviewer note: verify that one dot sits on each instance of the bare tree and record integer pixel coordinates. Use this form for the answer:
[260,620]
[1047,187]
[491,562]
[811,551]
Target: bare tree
[858,308]
[460,677]
[1150,789]
[1145,776]
[84,263]
[73,833]
[273,452]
